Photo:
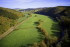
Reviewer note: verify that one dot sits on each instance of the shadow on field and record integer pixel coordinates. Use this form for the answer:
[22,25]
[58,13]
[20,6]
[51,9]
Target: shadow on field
[55,30]
[41,35]
[36,23]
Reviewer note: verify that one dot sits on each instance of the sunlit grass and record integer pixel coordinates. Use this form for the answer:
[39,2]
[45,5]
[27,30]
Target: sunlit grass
[26,33]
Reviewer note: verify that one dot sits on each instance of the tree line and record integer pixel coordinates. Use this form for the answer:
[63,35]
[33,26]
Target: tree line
[60,14]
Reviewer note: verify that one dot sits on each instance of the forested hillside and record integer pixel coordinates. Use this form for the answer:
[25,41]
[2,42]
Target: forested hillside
[60,14]
[8,18]
[55,11]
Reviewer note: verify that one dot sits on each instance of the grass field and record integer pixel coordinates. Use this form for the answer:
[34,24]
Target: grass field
[26,33]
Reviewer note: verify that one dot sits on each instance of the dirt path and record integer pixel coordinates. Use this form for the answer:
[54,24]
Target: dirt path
[11,29]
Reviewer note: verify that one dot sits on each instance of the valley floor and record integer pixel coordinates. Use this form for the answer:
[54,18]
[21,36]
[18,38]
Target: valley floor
[27,33]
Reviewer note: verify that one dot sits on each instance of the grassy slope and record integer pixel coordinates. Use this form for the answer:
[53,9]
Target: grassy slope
[26,33]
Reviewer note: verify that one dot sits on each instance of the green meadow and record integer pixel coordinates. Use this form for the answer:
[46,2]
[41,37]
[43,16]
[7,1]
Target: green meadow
[27,33]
